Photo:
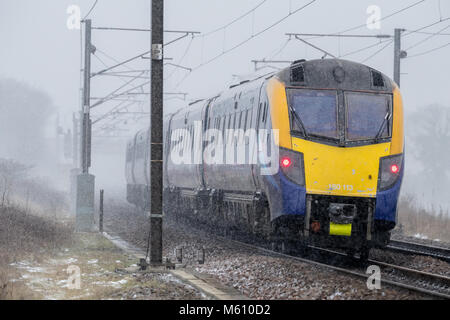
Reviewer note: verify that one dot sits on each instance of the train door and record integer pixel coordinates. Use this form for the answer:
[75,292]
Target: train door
[204,127]
[260,106]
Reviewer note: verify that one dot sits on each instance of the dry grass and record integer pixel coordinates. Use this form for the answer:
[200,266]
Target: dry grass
[415,220]
[25,236]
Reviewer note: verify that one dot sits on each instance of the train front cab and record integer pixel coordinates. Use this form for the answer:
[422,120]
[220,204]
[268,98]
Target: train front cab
[343,194]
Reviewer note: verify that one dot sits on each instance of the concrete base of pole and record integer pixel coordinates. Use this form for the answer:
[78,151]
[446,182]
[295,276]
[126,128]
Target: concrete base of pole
[73,191]
[85,194]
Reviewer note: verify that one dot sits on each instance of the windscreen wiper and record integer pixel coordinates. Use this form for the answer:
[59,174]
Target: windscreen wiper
[299,121]
[387,117]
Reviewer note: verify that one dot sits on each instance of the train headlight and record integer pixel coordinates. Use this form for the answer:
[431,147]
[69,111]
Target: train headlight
[390,169]
[291,164]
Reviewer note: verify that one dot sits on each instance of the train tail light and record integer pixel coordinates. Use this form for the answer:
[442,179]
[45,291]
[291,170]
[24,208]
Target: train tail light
[390,169]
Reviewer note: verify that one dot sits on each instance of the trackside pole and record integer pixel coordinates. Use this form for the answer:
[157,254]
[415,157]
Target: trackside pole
[156,135]
[85,183]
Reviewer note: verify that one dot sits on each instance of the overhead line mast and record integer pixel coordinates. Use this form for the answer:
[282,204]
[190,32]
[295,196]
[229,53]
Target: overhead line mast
[156,134]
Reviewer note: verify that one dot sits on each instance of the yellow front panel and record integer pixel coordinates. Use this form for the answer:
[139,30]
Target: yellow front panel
[397,121]
[331,170]
[276,92]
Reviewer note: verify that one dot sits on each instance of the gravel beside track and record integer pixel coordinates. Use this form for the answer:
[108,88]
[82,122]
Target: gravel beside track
[255,274]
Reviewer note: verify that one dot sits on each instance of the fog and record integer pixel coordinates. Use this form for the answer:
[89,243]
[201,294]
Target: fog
[40,72]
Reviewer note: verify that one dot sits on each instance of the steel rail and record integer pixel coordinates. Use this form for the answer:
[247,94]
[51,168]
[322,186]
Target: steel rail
[419,249]
[344,270]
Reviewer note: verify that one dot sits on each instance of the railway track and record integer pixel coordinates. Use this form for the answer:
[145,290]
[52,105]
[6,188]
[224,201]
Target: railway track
[420,283]
[419,249]
[429,284]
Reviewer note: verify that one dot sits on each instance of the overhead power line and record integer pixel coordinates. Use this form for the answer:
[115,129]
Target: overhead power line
[383,18]
[316,47]
[363,49]
[179,64]
[340,33]
[278,51]
[378,51]
[92,9]
[427,38]
[248,39]
[235,20]
[429,51]
[419,30]
[121,63]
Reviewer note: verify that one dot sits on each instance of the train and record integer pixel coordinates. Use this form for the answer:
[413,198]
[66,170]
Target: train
[312,154]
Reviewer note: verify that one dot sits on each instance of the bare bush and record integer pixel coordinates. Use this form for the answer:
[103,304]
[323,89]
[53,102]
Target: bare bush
[414,220]
[25,236]
[11,171]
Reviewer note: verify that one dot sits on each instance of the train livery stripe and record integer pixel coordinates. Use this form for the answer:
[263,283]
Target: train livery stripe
[397,133]
[276,92]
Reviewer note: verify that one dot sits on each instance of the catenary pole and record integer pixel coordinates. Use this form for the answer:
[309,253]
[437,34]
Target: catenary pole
[156,134]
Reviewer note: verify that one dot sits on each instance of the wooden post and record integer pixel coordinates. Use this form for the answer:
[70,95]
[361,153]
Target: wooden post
[100,221]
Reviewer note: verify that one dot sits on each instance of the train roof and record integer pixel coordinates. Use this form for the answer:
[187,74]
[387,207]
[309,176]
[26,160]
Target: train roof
[336,74]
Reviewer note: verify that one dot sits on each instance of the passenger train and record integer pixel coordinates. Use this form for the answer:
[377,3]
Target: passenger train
[335,128]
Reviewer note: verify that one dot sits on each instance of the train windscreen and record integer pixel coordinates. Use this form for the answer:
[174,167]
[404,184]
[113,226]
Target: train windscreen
[368,116]
[314,112]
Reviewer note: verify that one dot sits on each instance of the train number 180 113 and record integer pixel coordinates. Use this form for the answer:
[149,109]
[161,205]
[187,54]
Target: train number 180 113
[344,187]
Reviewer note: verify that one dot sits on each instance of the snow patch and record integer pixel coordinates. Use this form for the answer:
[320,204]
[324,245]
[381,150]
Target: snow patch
[334,295]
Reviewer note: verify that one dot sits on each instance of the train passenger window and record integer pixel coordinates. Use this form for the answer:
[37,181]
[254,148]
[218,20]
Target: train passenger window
[245,121]
[224,122]
[249,119]
[240,120]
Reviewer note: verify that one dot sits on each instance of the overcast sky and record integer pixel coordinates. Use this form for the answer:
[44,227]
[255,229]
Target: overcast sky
[37,46]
